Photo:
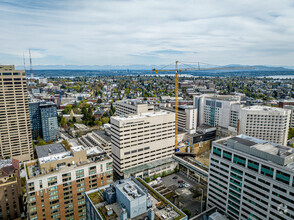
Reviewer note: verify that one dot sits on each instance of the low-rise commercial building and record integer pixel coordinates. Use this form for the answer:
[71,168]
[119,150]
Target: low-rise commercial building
[100,138]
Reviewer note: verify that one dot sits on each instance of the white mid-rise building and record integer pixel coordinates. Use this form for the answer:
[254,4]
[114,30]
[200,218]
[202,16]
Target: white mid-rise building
[250,178]
[131,106]
[143,144]
[215,110]
[267,123]
[291,108]
[187,117]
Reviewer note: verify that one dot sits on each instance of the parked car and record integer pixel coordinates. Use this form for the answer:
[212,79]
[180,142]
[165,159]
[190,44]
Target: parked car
[175,177]
[180,181]
[181,186]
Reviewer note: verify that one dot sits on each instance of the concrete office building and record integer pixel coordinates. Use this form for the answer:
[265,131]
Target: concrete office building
[267,123]
[132,106]
[57,180]
[10,190]
[187,117]
[291,108]
[43,118]
[215,110]
[15,129]
[250,178]
[143,144]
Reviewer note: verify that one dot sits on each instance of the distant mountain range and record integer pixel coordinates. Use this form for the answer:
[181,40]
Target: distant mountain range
[140,67]
[109,70]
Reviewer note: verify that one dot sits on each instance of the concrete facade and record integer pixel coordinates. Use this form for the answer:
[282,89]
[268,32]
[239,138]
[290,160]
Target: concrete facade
[251,178]
[127,107]
[267,123]
[215,110]
[140,139]
[15,129]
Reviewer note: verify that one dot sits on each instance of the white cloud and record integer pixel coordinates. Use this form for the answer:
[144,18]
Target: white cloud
[137,32]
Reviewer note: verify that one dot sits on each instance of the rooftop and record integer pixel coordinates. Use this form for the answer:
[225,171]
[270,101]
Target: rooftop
[103,134]
[141,116]
[49,149]
[66,159]
[265,108]
[278,154]
[130,188]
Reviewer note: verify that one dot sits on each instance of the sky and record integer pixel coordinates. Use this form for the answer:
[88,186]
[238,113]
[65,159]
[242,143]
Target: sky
[149,32]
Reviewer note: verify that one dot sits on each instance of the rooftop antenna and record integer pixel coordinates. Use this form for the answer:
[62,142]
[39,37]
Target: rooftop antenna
[24,61]
[31,65]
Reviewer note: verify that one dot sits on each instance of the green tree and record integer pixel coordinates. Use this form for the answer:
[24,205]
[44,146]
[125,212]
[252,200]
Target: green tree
[63,121]
[147,180]
[105,120]
[163,174]
[99,101]
[291,133]
[187,212]
[41,142]
[67,109]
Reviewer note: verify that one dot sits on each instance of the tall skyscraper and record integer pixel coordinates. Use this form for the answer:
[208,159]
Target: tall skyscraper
[44,120]
[250,178]
[267,123]
[15,131]
[143,144]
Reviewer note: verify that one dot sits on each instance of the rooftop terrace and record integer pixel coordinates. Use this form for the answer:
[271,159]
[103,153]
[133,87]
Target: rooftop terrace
[54,158]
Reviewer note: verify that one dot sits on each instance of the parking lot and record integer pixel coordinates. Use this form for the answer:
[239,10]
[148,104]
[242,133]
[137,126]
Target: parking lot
[185,193]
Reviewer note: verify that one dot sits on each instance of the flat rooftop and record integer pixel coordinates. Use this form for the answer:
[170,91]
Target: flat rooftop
[49,149]
[103,135]
[278,154]
[265,108]
[142,115]
[169,211]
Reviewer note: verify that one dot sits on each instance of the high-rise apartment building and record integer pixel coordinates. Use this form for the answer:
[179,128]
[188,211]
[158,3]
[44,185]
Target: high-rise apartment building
[44,122]
[57,181]
[250,178]
[267,123]
[15,131]
[10,190]
[215,110]
[143,144]
[132,106]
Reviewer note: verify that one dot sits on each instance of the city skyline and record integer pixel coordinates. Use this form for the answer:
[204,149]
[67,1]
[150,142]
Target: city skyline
[149,33]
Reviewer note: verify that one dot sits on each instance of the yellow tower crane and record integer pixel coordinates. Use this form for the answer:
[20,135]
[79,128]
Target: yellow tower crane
[177,71]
